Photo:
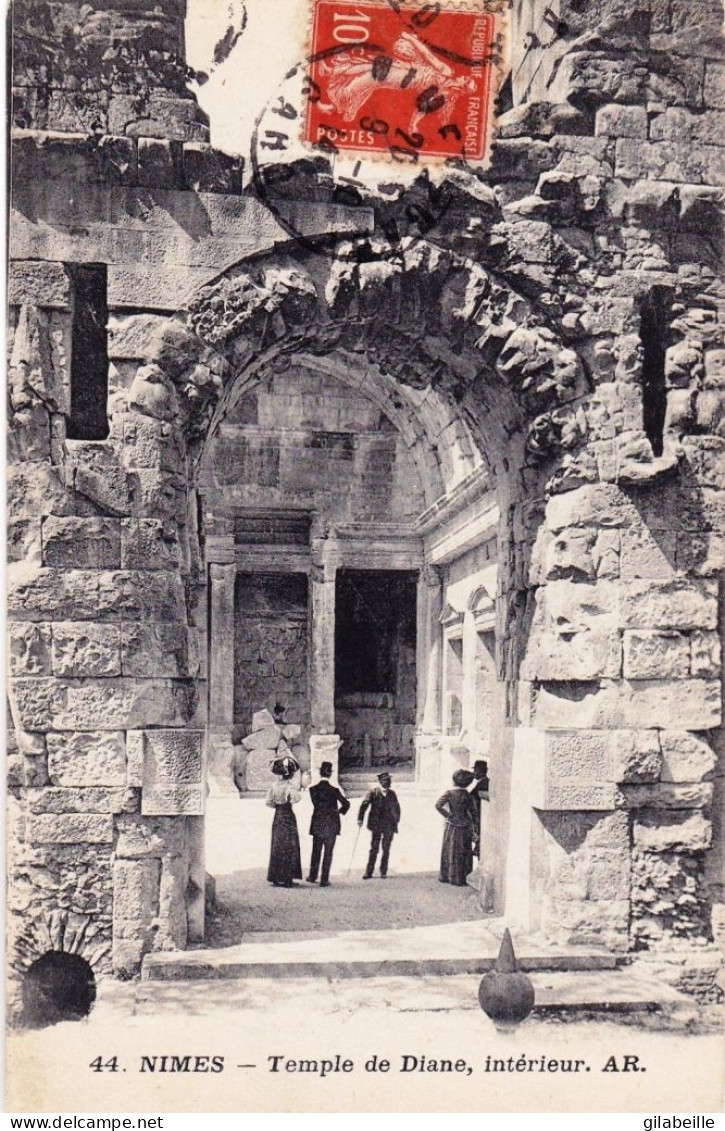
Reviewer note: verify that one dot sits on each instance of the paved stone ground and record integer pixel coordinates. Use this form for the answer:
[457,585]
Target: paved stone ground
[238,832]
[246,902]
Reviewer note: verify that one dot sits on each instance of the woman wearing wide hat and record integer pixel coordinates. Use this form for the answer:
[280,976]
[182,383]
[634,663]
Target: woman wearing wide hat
[285,862]
[459,810]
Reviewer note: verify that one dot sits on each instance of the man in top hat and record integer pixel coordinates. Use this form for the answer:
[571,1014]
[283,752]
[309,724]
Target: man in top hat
[329,804]
[382,822]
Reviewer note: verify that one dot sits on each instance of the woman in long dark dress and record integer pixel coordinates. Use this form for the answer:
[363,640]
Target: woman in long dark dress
[459,810]
[285,862]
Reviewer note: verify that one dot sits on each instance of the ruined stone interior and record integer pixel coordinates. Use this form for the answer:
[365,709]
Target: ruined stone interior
[448,488]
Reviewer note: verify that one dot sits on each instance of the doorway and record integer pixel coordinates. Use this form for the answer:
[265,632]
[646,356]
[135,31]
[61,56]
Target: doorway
[375,668]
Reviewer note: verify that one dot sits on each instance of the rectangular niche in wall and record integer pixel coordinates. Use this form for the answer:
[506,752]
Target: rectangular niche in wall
[270,646]
[453,667]
[375,676]
[89,352]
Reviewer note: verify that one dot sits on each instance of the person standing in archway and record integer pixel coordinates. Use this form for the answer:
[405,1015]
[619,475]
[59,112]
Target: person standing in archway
[329,804]
[479,793]
[459,810]
[285,862]
[382,822]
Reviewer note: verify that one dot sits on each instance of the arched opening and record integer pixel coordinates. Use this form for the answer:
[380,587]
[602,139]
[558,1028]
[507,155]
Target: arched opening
[57,987]
[332,527]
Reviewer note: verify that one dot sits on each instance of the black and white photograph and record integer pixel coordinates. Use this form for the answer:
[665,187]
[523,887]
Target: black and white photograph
[365,583]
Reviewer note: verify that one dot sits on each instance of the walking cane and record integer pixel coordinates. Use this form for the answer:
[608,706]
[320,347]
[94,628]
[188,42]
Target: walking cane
[354,847]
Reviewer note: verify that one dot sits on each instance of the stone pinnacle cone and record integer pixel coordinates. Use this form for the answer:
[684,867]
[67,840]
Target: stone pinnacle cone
[506,994]
[506,962]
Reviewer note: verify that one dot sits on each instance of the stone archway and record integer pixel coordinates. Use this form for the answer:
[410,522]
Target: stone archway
[606,612]
[276,311]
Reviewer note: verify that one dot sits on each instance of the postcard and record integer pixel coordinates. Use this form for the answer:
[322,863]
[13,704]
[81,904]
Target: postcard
[366,537]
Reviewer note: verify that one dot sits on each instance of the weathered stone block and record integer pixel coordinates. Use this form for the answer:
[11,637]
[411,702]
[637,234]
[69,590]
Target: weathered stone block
[607,875]
[573,633]
[600,505]
[667,795]
[578,755]
[588,922]
[257,772]
[148,544]
[149,443]
[129,338]
[81,543]
[166,800]
[647,553]
[75,595]
[39,702]
[134,757]
[172,757]
[136,890]
[677,603]
[621,121]
[172,904]
[686,757]
[705,656]
[265,739]
[206,169]
[38,283]
[715,84]
[121,704]
[154,650]
[678,124]
[166,116]
[705,460]
[692,703]
[156,168]
[35,489]
[656,655]
[31,745]
[702,555]
[70,828]
[24,541]
[150,836]
[637,756]
[583,795]
[262,719]
[668,832]
[64,801]
[106,487]
[81,649]
[30,646]
[87,759]
[597,704]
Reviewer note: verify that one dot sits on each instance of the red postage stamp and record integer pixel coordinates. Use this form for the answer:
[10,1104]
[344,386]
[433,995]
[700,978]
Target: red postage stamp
[403,80]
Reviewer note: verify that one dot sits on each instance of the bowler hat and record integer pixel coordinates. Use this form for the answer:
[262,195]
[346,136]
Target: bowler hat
[384,777]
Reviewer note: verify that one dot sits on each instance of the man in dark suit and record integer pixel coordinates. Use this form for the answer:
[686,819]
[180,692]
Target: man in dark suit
[329,805]
[382,822]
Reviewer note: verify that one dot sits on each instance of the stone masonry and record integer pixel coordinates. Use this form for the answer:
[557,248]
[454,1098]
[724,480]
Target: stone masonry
[570,368]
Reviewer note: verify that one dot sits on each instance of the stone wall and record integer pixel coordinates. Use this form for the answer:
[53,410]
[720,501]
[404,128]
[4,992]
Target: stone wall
[572,337]
[304,440]
[271,644]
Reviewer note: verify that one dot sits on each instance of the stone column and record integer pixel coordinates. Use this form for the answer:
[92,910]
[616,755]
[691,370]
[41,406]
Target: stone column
[428,743]
[322,659]
[324,743]
[430,654]
[221,679]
